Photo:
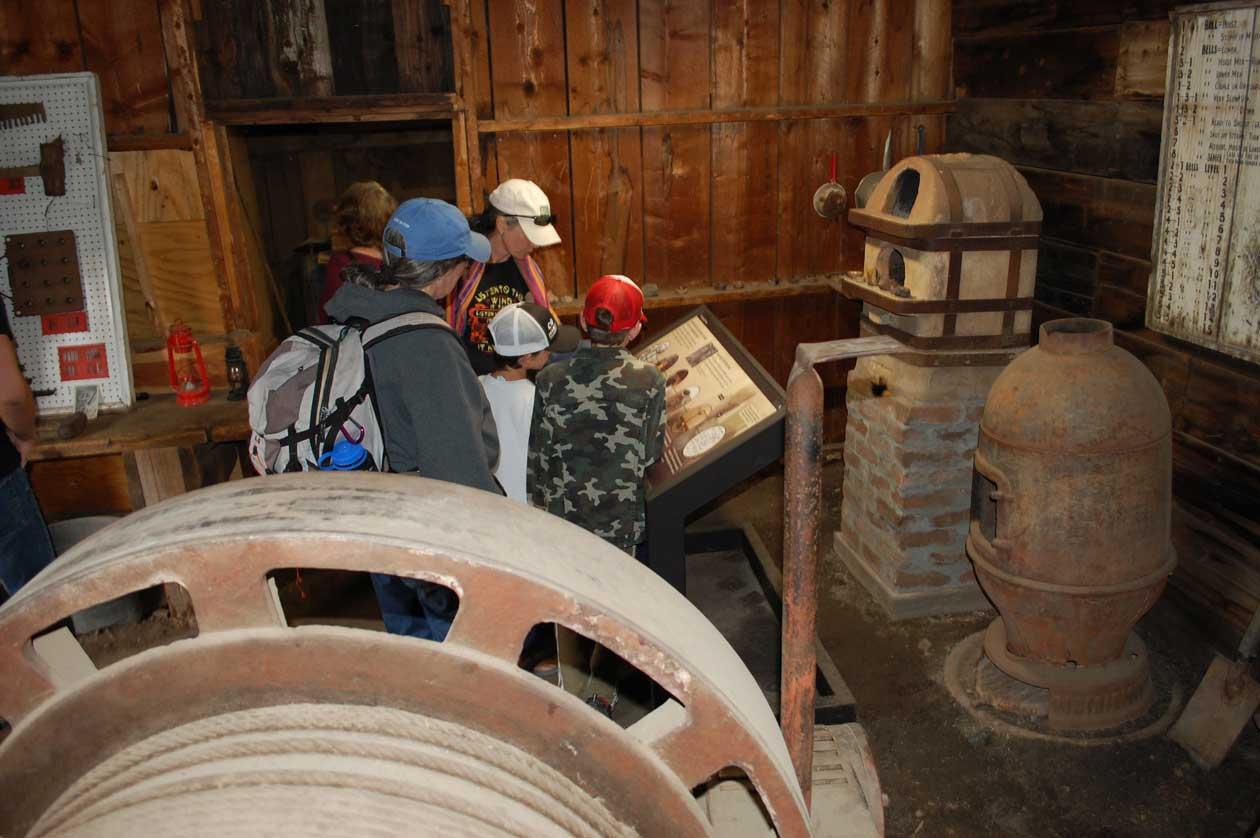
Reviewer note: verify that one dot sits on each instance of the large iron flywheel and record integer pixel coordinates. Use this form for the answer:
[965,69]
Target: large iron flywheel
[254,726]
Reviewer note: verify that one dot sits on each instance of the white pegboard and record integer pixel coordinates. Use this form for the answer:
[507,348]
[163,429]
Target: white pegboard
[72,103]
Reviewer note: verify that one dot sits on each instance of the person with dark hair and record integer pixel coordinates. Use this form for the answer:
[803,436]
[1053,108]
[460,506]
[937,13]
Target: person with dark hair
[517,221]
[25,547]
[434,415]
[361,214]
[598,423]
[525,335]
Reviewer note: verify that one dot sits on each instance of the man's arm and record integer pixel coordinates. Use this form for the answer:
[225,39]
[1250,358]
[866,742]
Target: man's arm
[448,411]
[17,404]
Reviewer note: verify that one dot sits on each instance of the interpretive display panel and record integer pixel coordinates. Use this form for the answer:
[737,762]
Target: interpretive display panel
[715,394]
[723,423]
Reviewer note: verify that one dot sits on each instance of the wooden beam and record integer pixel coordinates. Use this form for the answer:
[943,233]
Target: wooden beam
[181,63]
[181,59]
[712,117]
[390,108]
[696,295]
[124,204]
[148,142]
[469,183]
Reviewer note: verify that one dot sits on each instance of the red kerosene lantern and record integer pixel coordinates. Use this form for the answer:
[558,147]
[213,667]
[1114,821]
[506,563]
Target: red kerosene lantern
[188,370]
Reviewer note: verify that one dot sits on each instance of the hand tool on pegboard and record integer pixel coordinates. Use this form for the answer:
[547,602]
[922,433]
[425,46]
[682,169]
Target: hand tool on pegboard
[51,168]
[44,273]
[22,113]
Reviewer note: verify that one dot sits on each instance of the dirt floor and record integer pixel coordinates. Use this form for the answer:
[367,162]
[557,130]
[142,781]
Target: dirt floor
[946,774]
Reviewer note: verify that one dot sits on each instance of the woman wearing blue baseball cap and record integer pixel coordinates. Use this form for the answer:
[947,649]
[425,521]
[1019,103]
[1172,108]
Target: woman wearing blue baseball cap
[434,414]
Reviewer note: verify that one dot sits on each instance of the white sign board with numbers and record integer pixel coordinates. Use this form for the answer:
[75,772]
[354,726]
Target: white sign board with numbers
[88,346]
[1205,287]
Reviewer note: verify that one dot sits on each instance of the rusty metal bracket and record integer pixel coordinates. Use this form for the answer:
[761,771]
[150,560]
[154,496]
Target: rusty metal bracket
[802,495]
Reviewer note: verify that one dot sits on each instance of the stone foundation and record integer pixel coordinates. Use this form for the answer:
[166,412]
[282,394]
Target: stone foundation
[908,454]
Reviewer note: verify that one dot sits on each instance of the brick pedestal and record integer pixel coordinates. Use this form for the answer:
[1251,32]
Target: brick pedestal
[908,454]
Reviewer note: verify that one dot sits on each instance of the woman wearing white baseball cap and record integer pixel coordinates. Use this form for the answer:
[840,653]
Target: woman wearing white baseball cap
[517,220]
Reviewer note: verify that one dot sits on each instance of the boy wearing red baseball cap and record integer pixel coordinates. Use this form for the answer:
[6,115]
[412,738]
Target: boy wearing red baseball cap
[598,423]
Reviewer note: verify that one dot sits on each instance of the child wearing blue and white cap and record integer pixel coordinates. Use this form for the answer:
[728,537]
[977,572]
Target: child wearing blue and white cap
[434,414]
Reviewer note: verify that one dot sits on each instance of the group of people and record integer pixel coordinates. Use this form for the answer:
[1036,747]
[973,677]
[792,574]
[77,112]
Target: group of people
[507,399]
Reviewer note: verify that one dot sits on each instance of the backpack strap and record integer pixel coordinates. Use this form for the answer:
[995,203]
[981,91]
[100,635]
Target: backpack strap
[409,322]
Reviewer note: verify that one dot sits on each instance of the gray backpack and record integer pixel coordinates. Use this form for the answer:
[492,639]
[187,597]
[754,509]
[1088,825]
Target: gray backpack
[317,386]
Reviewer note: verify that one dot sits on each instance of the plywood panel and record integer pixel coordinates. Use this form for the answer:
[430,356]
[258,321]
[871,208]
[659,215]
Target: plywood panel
[39,36]
[122,44]
[162,184]
[178,257]
[674,54]
[603,77]
[140,324]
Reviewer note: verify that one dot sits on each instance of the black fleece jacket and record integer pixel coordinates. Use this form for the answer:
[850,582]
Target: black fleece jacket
[437,421]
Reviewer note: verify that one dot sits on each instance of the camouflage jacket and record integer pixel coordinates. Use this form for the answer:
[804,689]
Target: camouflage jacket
[599,422]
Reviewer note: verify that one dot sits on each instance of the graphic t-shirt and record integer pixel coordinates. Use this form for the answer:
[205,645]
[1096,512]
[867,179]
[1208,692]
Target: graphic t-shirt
[501,285]
[9,459]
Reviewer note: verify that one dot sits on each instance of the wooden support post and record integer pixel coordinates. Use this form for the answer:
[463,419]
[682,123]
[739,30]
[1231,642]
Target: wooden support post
[469,184]
[162,473]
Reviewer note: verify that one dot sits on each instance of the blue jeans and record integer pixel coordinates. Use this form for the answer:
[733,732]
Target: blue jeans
[416,608]
[25,547]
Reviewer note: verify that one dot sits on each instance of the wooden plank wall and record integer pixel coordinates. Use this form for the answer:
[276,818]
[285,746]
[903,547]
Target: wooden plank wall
[120,41]
[259,49]
[702,205]
[699,206]
[168,261]
[1072,93]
